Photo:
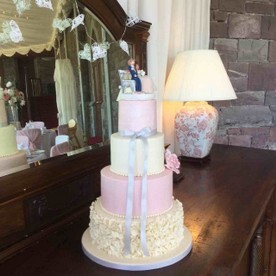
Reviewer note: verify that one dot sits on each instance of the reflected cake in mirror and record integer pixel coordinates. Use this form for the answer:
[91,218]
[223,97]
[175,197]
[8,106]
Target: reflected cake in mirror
[11,159]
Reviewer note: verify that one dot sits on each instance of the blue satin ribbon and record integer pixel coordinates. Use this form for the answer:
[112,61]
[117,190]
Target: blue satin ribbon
[143,134]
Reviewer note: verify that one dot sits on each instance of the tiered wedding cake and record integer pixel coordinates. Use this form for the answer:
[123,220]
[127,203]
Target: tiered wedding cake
[136,224]
[11,159]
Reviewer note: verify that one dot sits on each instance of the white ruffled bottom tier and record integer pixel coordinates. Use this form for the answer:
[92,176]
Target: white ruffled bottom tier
[164,232]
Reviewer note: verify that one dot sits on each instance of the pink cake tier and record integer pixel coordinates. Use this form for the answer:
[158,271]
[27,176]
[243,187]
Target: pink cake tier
[114,192]
[135,115]
[13,163]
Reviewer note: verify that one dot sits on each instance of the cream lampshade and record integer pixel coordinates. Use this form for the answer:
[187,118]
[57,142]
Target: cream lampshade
[197,76]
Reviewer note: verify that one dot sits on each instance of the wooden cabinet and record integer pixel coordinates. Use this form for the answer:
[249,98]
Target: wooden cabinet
[37,200]
[229,207]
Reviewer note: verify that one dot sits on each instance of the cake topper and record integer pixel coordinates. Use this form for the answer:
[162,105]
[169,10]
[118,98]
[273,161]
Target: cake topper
[134,75]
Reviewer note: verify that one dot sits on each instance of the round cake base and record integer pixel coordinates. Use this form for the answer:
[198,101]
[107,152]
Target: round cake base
[140,264]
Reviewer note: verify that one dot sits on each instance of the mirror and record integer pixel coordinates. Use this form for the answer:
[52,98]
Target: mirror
[97,82]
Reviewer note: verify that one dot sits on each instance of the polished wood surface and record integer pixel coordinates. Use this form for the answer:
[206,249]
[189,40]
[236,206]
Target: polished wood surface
[226,201]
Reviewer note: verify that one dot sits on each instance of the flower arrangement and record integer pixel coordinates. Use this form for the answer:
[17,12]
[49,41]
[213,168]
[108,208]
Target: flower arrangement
[12,96]
[172,162]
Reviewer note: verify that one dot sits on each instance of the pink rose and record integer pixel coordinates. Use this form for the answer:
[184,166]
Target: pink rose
[172,162]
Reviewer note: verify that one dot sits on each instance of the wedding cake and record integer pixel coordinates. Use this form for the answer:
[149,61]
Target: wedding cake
[11,159]
[137,224]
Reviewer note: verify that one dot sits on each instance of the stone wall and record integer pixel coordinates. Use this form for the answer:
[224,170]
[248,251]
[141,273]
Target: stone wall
[244,33]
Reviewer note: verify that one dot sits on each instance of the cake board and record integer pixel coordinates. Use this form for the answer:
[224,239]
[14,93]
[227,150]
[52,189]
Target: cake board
[140,264]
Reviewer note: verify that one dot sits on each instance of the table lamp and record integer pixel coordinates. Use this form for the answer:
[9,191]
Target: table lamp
[197,76]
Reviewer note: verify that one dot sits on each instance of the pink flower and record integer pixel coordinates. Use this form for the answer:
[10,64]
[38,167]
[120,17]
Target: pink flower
[172,162]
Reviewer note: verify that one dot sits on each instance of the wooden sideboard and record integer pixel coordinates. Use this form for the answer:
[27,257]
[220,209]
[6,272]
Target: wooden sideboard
[38,200]
[229,205]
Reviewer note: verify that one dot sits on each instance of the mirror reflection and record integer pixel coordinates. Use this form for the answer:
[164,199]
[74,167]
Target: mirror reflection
[67,104]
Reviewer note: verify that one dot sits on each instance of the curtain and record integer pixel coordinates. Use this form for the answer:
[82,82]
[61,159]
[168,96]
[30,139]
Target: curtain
[190,30]
[65,91]
[177,25]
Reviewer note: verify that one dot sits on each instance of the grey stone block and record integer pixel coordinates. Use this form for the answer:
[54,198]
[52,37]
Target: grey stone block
[273,111]
[222,140]
[270,98]
[218,29]
[249,98]
[245,116]
[238,69]
[262,76]
[253,131]
[272,134]
[220,16]
[214,4]
[226,44]
[268,30]
[211,43]
[244,26]
[234,131]
[272,51]
[227,48]
[219,104]
[239,83]
[232,5]
[260,8]
[240,140]
[260,141]
[253,50]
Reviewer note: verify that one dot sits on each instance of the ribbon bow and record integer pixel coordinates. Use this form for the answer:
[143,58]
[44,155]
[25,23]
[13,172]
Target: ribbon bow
[143,134]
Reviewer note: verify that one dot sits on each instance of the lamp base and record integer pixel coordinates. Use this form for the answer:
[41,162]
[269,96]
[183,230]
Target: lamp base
[184,159]
[195,126]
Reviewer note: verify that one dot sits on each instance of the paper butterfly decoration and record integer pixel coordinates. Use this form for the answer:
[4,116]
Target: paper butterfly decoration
[15,33]
[131,21]
[124,46]
[60,24]
[99,50]
[77,21]
[44,4]
[22,5]
[86,52]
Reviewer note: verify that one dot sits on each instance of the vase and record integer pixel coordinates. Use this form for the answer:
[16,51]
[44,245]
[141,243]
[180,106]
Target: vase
[13,116]
[14,111]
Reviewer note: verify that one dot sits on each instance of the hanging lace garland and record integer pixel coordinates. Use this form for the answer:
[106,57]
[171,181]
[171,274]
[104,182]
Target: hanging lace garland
[11,32]
[44,4]
[15,33]
[132,20]
[22,5]
[61,25]
[124,46]
[86,53]
[99,50]
[77,21]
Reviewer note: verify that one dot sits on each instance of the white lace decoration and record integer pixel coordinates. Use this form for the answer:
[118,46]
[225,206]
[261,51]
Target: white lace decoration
[132,20]
[124,46]
[22,5]
[60,24]
[44,4]
[99,50]
[77,21]
[15,33]
[86,52]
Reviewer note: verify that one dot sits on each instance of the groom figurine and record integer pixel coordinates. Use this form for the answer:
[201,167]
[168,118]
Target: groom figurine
[134,75]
